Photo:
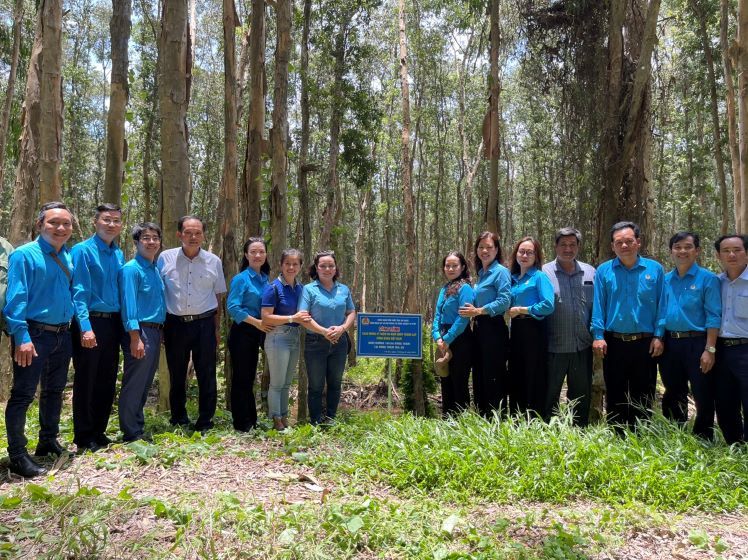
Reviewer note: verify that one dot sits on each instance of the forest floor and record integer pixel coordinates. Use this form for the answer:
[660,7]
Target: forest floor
[348,491]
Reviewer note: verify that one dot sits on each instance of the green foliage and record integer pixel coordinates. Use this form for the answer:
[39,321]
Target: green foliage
[427,371]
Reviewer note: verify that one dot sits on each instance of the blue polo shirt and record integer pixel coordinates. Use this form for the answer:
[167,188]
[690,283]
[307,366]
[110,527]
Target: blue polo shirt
[327,308]
[534,291]
[626,300]
[38,289]
[245,295]
[691,303]
[446,313]
[493,289]
[141,294]
[95,278]
[282,297]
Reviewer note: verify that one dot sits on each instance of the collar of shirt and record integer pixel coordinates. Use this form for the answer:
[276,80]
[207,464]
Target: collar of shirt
[529,274]
[559,268]
[491,267]
[48,249]
[637,264]
[101,244]
[199,257]
[321,287]
[743,275]
[693,271]
[252,274]
[142,261]
[283,282]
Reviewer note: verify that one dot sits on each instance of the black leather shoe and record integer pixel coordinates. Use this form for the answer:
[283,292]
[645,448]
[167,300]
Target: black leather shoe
[50,447]
[184,422]
[26,467]
[91,446]
[103,441]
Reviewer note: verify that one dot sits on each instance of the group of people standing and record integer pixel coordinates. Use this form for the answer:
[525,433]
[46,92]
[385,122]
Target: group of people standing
[690,322]
[86,303]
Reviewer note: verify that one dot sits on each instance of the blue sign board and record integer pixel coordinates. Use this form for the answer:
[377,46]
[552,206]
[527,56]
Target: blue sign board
[389,335]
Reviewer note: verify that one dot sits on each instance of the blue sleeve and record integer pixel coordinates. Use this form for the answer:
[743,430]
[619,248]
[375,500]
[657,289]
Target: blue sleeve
[269,296]
[349,306]
[17,299]
[545,304]
[435,334]
[660,327]
[466,295]
[598,308]
[503,285]
[713,302]
[234,301]
[306,300]
[81,287]
[662,306]
[128,285]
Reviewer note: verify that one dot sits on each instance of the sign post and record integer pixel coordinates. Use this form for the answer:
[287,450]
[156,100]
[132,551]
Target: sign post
[389,335]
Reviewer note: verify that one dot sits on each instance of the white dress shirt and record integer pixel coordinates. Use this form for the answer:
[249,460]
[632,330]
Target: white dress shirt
[191,285]
[734,306]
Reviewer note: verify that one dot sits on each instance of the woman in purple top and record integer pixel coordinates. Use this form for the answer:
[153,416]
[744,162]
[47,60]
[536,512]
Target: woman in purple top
[280,303]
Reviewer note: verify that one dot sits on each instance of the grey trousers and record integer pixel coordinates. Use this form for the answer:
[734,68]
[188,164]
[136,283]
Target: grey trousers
[137,377]
[576,368]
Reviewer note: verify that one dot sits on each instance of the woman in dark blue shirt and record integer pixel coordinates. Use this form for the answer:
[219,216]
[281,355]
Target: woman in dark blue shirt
[532,302]
[280,302]
[247,332]
[450,332]
[491,335]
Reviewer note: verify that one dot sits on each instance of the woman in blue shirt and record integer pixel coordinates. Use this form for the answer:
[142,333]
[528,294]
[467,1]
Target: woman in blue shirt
[491,335]
[332,313]
[280,302]
[450,332]
[532,302]
[247,332]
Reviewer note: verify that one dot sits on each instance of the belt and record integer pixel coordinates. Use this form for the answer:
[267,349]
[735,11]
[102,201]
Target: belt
[630,337]
[62,327]
[158,326]
[523,317]
[685,334]
[190,318]
[732,341]
[102,315]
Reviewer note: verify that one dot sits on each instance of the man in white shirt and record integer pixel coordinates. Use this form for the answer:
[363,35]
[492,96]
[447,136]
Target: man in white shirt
[193,278]
[732,344]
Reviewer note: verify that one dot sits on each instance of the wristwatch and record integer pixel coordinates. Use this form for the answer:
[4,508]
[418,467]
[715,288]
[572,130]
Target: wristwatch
[710,349]
[290,319]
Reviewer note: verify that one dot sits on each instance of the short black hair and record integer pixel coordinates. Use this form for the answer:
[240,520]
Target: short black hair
[183,219]
[682,236]
[721,238]
[568,232]
[623,225]
[106,207]
[138,230]
[55,205]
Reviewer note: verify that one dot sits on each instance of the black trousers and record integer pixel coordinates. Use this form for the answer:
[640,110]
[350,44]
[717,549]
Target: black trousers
[528,366]
[244,347]
[630,377]
[95,379]
[732,391]
[490,380]
[455,387]
[199,339]
[679,365]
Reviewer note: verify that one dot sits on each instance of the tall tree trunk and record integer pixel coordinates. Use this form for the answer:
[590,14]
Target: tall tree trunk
[742,46]
[175,54]
[225,236]
[492,206]
[732,126]
[10,88]
[38,171]
[334,199]
[279,132]
[713,106]
[116,144]
[410,302]
[251,186]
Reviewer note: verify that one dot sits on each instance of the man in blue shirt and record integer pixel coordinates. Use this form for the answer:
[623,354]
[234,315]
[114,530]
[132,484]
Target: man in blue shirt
[690,312]
[38,310]
[143,311]
[98,328]
[5,250]
[732,345]
[624,326]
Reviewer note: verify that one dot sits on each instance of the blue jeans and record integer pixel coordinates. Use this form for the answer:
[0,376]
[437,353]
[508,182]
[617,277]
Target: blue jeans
[325,363]
[137,377]
[282,351]
[50,366]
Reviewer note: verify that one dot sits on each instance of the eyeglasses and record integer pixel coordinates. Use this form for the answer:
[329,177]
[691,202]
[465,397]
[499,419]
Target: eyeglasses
[621,242]
[149,239]
[326,266]
[108,222]
[526,253]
